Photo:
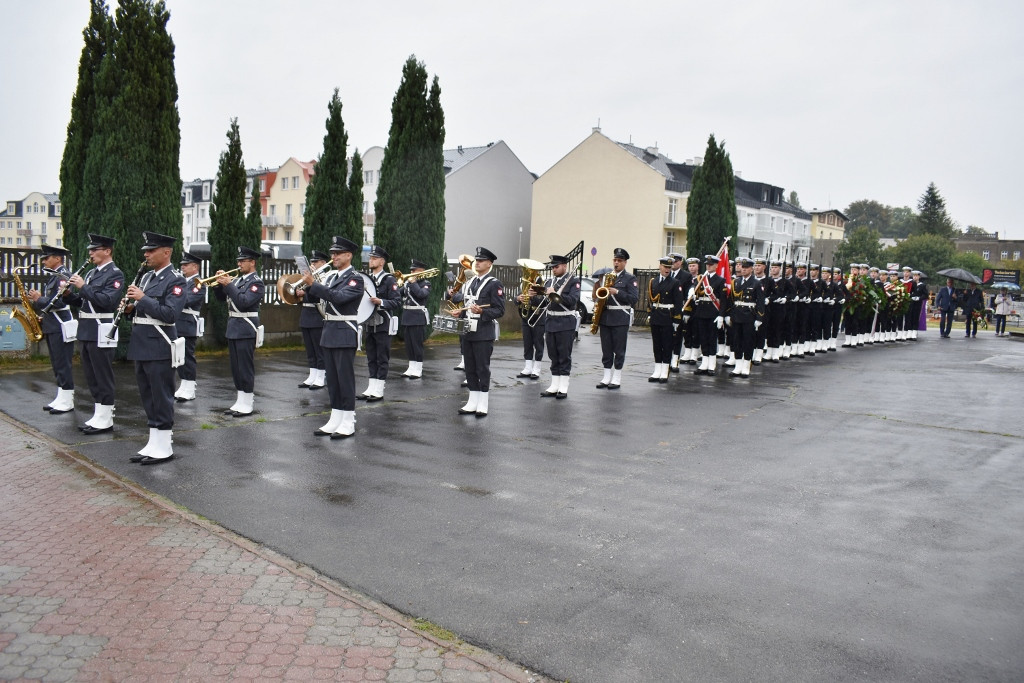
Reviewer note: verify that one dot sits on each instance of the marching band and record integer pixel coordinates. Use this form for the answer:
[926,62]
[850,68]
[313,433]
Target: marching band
[768,312]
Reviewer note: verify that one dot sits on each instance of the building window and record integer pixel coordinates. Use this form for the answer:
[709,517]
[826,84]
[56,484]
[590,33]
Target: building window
[670,241]
[188,219]
[1016,256]
[202,235]
[188,197]
[273,209]
[295,182]
[206,192]
[202,212]
[56,210]
[19,241]
[368,177]
[284,183]
[42,229]
[271,234]
[302,209]
[28,225]
[59,228]
[287,214]
[1002,255]
[986,254]
[288,235]
[263,185]
[673,208]
[10,208]
[59,242]
[35,207]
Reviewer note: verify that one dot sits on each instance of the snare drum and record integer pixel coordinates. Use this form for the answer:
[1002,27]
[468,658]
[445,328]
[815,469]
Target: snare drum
[444,323]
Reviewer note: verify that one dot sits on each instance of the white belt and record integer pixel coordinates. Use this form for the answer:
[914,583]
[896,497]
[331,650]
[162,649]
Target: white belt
[190,311]
[341,318]
[745,304]
[661,306]
[618,308]
[704,298]
[310,305]
[239,314]
[415,307]
[95,316]
[146,320]
[560,313]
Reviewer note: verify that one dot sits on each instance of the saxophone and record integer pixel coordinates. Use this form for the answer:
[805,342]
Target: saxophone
[601,298]
[28,318]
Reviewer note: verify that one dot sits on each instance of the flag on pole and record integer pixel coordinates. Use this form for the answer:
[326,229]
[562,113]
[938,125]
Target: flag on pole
[723,265]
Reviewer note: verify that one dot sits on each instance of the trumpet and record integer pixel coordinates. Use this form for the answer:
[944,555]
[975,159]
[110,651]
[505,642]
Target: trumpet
[405,279]
[205,282]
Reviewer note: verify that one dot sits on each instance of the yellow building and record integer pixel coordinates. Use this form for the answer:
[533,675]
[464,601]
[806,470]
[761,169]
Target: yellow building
[828,225]
[285,201]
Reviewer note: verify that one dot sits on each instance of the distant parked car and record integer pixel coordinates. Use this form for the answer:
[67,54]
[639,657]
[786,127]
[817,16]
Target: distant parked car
[586,305]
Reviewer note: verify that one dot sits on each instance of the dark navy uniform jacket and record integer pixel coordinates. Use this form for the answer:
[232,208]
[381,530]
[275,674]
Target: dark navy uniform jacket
[484,291]
[49,324]
[747,301]
[101,293]
[246,292]
[617,309]
[165,297]
[310,316]
[414,310]
[391,299]
[561,316]
[342,295]
[670,294]
[703,307]
[187,323]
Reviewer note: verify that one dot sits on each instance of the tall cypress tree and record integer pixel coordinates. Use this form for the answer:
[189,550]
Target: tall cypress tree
[229,228]
[327,197]
[932,217]
[76,222]
[352,227]
[134,150]
[711,208]
[410,197]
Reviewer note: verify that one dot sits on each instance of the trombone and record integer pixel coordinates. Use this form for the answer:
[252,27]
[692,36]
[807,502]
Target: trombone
[409,277]
[205,282]
[552,298]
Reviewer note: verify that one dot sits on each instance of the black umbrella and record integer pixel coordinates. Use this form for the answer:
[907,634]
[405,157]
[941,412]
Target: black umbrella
[603,271]
[960,274]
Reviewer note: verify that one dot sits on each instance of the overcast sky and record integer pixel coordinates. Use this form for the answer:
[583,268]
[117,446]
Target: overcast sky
[837,100]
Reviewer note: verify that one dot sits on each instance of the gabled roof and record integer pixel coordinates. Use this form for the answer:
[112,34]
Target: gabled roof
[454,159]
[835,211]
[656,160]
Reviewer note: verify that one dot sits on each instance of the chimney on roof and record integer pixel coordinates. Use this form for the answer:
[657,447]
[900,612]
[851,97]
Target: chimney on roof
[698,161]
[653,151]
[460,149]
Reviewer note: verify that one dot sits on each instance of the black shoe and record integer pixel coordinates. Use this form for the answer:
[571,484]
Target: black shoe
[336,435]
[55,411]
[463,411]
[481,414]
[459,369]
[613,386]
[316,387]
[698,371]
[663,380]
[374,399]
[136,458]
[534,376]
[235,413]
[303,385]
[653,379]
[523,374]
[146,460]
[362,397]
[561,395]
[601,385]
[465,383]
[89,429]
[548,394]
[673,369]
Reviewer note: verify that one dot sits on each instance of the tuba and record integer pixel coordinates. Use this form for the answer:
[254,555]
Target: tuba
[531,271]
[28,318]
[466,265]
[600,295]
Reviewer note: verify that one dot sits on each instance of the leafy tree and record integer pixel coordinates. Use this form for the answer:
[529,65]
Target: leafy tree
[794,199]
[975,231]
[932,216]
[229,228]
[927,253]
[870,214]
[354,211]
[75,219]
[410,197]
[903,221]
[970,261]
[327,196]
[860,246]
[711,209]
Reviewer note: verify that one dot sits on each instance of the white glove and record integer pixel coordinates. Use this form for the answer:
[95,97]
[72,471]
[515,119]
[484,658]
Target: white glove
[757,324]
[767,300]
[781,300]
[842,301]
[686,318]
[915,298]
[675,326]
[719,321]
[817,300]
[728,320]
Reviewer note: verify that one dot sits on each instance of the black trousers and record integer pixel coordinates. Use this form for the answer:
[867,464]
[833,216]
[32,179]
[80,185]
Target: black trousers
[339,365]
[560,352]
[743,336]
[478,363]
[775,326]
[378,351]
[707,334]
[187,370]
[156,387]
[661,338]
[946,322]
[242,354]
[414,336]
[613,345]
[311,340]
[99,372]
[61,353]
[533,342]
[678,337]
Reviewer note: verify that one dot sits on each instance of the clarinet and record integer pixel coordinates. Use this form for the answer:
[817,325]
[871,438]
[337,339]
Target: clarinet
[124,302]
[62,289]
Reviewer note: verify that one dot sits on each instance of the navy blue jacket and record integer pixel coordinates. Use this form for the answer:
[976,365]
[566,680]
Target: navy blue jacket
[165,297]
[101,293]
[342,295]
[246,292]
[187,324]
[49,324]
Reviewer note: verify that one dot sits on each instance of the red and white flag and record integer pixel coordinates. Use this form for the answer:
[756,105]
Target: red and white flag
[723,265]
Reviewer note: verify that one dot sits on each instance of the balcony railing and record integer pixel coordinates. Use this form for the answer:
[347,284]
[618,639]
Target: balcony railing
[25,232]
[802,241]
[277,222]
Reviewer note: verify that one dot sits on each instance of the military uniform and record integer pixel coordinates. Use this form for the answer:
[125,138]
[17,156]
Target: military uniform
[691,342]
[341,294]
[99,297]
[560,325]
[761,333]
[415,318]
[311,325]
[665,301]
[488,292]
[61,352]
[187,325]
[244,295]
[778,314]
[153,334]
[533,337]
[682,275]
[615,323]
[801,312]
[746,314]
[378,328]
[710,304]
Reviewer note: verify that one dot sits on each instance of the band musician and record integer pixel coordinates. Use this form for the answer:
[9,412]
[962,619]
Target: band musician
[562,290]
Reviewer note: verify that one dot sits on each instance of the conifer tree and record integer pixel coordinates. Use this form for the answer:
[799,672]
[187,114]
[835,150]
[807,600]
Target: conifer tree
[327,197]
[932,217]
[75,221]
[410,197]
[229,228]
[352,227]
[711,208]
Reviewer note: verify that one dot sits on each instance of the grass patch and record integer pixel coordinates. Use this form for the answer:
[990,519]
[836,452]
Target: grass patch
[207,425]
[435,630]
[260,419]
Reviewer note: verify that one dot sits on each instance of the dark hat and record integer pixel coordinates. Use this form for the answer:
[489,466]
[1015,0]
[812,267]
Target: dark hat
[745,262]
[54,251]
[693,259]
[557,259]
[187,257]
[666,261]
[317,255]
[100,242]
[485,254]
[621,253]
[154,240]
[676,256]
[245,253]
[417,264]
[339,243]
[379,252]
[711,258]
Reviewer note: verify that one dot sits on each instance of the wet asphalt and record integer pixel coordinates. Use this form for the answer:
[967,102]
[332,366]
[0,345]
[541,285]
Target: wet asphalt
[854,516]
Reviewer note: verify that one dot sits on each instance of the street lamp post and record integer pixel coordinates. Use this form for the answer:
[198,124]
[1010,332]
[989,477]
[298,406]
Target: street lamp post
[520,242]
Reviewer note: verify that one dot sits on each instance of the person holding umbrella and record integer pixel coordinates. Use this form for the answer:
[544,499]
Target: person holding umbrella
[946,300]
[1002,309]
[972,300]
